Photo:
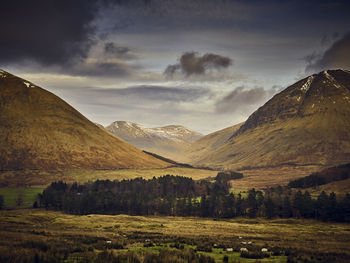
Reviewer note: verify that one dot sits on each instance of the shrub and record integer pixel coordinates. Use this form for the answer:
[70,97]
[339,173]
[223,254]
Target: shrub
[254,254]
[1,202]
[204,247]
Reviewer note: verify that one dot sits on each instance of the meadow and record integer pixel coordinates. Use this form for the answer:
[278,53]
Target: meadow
[19,197]
[37,231]
[38,235]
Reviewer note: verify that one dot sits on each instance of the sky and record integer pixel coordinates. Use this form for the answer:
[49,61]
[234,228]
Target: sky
[204,64]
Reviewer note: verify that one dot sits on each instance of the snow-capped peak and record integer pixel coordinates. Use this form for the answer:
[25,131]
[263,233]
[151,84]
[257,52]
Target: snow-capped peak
[305,87]
[3,74]
[170,132]
[331,79]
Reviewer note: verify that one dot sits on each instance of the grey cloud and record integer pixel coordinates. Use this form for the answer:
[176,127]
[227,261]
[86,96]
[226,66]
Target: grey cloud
[100,69]
[337,56]
[243,99]
[117,51]
[157,93]
[141,104]
[192,63]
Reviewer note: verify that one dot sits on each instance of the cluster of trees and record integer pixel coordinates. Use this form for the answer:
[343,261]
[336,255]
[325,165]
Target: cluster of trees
[166,195]
[326,176]
[226,176]
[282,202]
[181,196]
[1,202]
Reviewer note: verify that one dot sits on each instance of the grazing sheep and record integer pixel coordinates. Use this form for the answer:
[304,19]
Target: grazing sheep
[109,242]
[229,249]
[243,249]
[264,249]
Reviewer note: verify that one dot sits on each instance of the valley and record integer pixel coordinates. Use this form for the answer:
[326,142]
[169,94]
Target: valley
[175,131]
[187,213]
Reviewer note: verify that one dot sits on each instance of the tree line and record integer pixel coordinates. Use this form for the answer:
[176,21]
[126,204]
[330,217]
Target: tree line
[180,196]
[332,174]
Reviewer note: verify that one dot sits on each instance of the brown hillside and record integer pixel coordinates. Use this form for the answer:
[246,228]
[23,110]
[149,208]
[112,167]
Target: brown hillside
[38,130]
[207,144]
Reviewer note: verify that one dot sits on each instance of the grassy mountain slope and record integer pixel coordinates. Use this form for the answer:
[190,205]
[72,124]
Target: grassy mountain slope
[306,124]
[38,130]
[208,144]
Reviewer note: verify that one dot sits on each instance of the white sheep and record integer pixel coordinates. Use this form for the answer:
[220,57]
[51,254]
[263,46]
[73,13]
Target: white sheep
[243,249]
[264,249]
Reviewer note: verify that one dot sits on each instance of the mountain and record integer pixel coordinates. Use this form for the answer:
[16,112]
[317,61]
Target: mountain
[167,141]
[38,130]
[208,144]
[307,124]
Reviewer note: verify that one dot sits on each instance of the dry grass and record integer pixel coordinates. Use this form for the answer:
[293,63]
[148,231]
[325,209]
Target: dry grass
[39,178]
[269,177]
[304,235]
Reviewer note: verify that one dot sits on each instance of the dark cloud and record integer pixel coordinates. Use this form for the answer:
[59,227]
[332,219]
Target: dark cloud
[192,63]
[117,51]
[242,99]
[53,32]
[337,56]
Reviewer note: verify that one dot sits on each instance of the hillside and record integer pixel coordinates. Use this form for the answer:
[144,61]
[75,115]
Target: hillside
[41,131]
[167,141]
[307,124]
[208,144]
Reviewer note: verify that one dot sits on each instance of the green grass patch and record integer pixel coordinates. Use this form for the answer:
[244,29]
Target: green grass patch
[19,197]
[218,254]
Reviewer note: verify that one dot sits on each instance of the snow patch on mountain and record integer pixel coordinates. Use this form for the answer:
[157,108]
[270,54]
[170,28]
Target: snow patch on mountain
[171,132]
[307,83]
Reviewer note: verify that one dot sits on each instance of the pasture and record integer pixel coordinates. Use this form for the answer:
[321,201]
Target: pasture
[39,231]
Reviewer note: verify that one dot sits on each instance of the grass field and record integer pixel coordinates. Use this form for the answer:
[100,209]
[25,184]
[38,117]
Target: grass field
[19,197]
[32,228]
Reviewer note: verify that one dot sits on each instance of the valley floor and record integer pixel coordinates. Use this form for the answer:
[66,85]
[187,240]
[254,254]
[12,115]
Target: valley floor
[42,178]
[36,230]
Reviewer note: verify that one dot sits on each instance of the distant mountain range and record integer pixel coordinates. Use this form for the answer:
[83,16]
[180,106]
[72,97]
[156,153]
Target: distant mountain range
[168,141]
[308,123]
[38,130]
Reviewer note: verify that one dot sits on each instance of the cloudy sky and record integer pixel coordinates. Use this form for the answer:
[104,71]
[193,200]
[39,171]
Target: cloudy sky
[205,64]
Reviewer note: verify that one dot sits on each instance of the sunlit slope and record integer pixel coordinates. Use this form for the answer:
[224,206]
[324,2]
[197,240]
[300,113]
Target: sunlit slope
[38,130]
[306,124]
[207,144]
